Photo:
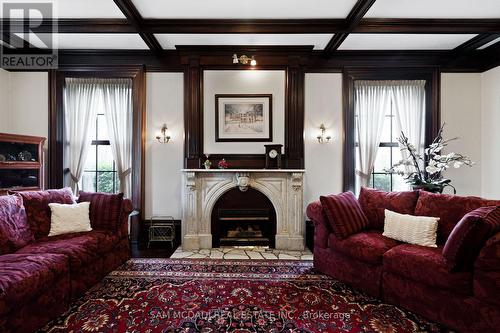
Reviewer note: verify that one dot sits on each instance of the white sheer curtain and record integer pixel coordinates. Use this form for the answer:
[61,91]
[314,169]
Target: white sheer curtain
[371,101]
[117,97]
[80,110]
[409,109]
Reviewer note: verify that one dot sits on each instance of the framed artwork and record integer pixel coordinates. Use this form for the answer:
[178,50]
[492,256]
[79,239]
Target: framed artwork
[243,118]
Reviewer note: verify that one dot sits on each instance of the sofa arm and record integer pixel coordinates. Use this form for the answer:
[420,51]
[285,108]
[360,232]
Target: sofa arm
[322,229]
[127,208]
[486,282]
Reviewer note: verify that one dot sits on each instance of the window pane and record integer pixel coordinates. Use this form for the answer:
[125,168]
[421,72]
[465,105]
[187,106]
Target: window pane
[102,128]
[396,155]
[386,133]
[117,182]
[90,163]
[105,181]
[395,133]
[383,160]
[399,184]
[88,181]
[105,158]
[383,182]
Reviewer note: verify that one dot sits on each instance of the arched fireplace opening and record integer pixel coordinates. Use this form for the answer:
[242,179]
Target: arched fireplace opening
[243,219]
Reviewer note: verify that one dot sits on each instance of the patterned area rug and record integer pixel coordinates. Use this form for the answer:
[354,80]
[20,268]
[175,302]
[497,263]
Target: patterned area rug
[189,295]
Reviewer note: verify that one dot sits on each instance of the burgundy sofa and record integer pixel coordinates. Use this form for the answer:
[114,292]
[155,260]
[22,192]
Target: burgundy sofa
[415,277]
[39,275]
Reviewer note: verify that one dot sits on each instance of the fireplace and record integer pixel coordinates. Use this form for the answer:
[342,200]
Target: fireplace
[243,219]
[278,215]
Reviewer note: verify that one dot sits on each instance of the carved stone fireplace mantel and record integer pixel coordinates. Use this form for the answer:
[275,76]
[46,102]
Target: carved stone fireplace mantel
[202,188]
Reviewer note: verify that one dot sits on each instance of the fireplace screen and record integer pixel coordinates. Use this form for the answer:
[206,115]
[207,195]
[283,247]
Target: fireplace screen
[243,219]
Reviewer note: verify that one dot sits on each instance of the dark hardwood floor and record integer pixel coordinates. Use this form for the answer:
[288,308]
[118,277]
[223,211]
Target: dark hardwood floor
[156,250]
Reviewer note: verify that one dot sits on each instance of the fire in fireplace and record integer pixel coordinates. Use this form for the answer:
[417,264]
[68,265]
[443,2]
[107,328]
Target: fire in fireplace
[243,218]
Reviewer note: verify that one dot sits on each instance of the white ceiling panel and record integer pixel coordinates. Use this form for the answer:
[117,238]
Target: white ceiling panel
[79,9]
[169,41]
[435,9]
[403,41]
[94,41]
[252,9]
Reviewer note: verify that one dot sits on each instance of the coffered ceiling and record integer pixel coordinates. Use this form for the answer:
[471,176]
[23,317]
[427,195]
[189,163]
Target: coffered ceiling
[459,26]
[255,9]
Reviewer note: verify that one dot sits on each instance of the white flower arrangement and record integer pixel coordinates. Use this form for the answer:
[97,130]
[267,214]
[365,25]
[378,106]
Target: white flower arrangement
[426,172]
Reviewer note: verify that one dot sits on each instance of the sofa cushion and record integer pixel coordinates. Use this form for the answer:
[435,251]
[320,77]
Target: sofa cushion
[469,236]
[15,231]
[449,208]
[105,209]
[426,265]
[81,248]
[23,277]
[367,246]
[419,230]
[37,207]
[344,214]
[374,202]
[66,219]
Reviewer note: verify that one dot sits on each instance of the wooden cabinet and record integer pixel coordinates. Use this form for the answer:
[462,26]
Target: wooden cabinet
[21,162]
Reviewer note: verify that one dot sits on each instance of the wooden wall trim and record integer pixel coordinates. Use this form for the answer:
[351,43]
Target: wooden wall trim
[432,114]
[294,114]
[273,58]
[193,112]
[294,67]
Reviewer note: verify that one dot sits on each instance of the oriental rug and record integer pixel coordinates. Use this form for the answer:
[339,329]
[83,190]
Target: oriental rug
[206,295]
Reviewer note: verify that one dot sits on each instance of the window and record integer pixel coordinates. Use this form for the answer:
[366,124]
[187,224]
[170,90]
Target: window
[393,112]
[388,154]
[100,174]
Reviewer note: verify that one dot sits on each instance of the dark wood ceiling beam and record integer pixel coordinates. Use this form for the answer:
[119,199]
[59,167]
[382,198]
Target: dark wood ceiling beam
[468,50]
[474,43]
[261,26]
[428,26]
[15,41]
[132,14]
[353,19]
[202,26]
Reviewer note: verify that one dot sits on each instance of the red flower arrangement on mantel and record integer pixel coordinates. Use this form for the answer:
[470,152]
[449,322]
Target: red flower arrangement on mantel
[223,164]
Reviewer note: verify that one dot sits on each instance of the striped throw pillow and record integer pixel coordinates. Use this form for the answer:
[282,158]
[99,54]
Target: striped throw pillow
[470,235]
[105,209]
[344,214]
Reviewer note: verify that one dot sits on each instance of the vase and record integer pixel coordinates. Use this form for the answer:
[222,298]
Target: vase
[428,188]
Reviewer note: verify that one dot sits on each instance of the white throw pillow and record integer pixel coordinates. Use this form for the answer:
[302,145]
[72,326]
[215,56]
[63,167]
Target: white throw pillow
[67,219]
[419,230]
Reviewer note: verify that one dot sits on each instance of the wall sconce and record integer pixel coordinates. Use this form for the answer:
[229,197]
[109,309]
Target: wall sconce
[244,60]
[165,135]
[321,137]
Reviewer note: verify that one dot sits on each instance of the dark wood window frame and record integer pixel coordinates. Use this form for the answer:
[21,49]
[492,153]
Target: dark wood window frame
[56,122]
[432,106]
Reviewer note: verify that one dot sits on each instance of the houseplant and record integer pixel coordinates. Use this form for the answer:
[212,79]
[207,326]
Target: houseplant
[426,172]
[207,164]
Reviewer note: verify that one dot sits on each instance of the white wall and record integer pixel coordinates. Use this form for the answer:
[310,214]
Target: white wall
[490,148]
[164,161]
[461,111]
[29,93]
[323,162]
[242,82]
[4,100]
